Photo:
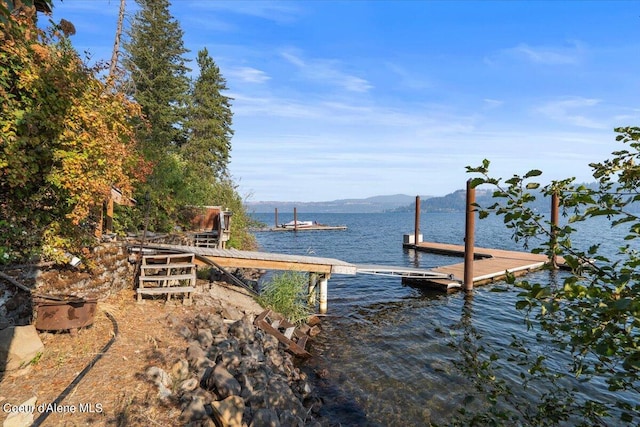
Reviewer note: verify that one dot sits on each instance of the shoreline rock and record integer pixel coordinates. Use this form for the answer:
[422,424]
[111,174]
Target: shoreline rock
[229,370]
[237,375]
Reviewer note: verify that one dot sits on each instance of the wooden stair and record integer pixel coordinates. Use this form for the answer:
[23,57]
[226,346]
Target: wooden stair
[171,274]
[209,239]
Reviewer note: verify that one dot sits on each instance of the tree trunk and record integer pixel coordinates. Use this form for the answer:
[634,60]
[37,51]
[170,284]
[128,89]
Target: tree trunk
[116,43]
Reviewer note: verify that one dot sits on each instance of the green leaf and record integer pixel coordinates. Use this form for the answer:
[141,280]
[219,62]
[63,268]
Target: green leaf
[475,182]
[632,362]
[532,173]
[605,349]
[626,417]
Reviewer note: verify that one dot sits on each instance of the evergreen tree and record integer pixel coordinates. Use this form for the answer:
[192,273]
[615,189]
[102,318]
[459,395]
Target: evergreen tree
[210,120]
[154,59]
[189,134]
[157,66]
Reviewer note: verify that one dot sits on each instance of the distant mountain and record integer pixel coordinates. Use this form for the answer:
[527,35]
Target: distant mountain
[456,201]
[369,205]
[453,202]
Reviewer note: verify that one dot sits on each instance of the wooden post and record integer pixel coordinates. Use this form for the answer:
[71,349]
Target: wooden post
[295,219]
[555,204]
[109,216]
[98,231]
[324,280]
[417,223]
[313,283]
[276,217]
[469,237]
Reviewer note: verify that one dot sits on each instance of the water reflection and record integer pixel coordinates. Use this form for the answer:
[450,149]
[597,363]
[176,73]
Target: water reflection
[387,353]
[392,363]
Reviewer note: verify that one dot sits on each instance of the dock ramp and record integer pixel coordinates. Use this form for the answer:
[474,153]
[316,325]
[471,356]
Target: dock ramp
[405,272]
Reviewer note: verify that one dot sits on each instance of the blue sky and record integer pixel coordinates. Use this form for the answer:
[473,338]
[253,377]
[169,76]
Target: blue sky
[351,99]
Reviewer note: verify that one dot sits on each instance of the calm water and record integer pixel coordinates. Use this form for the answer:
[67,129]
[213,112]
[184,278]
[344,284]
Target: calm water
[384,347]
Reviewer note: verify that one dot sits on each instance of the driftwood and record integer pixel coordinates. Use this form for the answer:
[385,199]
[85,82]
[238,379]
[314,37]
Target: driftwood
[26,289]
[14,282]
[285,331]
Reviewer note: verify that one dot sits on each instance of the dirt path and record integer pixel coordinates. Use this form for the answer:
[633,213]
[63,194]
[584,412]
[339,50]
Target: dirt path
[114,392]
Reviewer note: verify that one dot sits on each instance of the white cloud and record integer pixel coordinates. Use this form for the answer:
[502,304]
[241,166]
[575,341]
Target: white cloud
[255,106]
[276,11]
[490,104]
[326,71]
[209,23]
[545,55]
[570,54]
[293,59]
[403,163]
[573,111]
[356,84]
[248,75]
[626,119]
[422,120]
[408,79]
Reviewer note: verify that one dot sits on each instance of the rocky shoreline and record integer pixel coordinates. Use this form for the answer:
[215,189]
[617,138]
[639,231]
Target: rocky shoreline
[236,374]
[229,372]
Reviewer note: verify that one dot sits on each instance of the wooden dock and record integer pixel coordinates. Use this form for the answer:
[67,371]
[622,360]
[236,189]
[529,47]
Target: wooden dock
[264,260]
[320,269]
[489,265]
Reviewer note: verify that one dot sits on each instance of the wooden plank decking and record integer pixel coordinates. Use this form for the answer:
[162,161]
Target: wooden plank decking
[489,265]
[265,260]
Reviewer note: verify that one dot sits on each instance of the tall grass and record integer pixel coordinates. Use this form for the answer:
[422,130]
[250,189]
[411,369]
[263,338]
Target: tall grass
[286,293]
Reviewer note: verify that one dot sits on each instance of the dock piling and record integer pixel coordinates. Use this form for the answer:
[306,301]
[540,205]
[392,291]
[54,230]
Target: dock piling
[324,280]
[313,284]
[295,219]
[417,222]
[555,203]
[469,237]
[276,224]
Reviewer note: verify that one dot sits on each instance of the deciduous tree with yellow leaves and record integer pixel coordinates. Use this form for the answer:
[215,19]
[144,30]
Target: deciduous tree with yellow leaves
[65,140]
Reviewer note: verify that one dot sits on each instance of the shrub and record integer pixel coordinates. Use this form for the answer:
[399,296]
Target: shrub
[286,294]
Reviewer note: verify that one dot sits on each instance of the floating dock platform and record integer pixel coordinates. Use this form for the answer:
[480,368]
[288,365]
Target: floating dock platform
[489,265]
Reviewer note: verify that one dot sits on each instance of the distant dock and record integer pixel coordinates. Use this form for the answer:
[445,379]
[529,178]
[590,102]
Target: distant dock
[296,225]
[319,227]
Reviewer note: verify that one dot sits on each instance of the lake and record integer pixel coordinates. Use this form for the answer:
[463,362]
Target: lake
[384,350]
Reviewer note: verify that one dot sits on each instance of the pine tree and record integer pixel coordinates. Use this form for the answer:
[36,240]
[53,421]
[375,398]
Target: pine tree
[210,118]
[154,59]
[158,71]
